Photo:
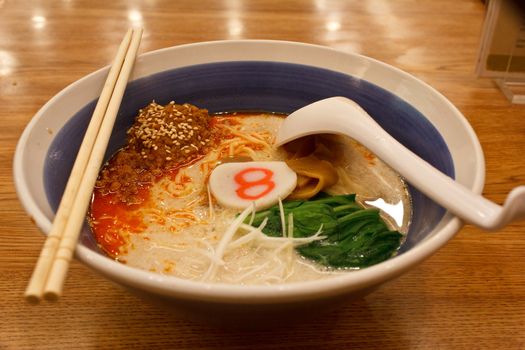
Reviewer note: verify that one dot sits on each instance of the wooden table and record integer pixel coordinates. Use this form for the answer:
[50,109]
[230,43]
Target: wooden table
[470,295]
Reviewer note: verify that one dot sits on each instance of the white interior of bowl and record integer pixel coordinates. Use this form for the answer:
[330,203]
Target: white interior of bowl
[462,142]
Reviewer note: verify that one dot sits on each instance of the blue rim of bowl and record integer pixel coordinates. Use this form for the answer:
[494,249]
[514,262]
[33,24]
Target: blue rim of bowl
[259,86]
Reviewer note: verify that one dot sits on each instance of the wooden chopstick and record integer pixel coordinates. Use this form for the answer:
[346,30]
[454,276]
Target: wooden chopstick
[51,269]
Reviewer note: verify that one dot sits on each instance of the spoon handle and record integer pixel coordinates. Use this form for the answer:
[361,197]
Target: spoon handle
[467,205]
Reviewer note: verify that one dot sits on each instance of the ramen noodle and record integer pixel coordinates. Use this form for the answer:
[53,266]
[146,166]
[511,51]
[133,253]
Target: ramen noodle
[153,209]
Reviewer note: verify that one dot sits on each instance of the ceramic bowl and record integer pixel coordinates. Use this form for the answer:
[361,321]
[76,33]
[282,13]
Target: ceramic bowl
[255,75]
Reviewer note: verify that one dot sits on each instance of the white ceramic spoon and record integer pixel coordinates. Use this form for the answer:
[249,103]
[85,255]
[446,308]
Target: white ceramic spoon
[339,115]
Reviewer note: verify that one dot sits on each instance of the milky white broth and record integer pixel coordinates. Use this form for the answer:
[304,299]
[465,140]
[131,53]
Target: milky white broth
[180,231]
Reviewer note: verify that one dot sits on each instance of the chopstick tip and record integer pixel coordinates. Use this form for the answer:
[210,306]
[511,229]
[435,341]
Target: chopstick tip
[51,296]
[32,299]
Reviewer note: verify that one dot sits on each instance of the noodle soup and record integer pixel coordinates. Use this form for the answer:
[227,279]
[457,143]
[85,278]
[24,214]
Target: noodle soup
[161,215]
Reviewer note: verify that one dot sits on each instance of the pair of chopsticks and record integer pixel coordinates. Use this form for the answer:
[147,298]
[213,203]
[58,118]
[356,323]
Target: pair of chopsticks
[53,263]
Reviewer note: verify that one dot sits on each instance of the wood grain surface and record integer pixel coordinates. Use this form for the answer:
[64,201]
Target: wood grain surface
[470,295]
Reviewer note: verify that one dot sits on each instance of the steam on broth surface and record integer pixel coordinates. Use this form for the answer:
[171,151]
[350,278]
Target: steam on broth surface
[168,222]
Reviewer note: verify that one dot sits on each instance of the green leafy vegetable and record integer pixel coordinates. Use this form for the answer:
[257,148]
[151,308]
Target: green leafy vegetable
[355,237]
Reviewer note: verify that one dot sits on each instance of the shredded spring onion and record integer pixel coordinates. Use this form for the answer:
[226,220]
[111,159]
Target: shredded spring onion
[256,237]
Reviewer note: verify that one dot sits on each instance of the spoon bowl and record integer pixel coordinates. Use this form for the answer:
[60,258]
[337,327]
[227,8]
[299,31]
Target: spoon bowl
[342,116]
